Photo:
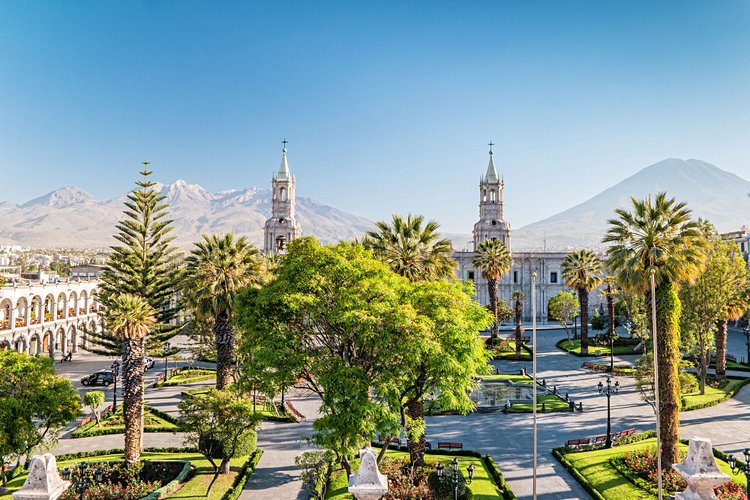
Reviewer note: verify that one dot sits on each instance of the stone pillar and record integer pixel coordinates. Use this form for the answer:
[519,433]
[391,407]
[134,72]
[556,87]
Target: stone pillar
[44,481]
[368,483]
[700,471]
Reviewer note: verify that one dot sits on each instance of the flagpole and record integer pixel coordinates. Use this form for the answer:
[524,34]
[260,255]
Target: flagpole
[533,367]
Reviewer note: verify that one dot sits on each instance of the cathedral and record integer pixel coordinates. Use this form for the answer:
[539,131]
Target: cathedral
[283,227]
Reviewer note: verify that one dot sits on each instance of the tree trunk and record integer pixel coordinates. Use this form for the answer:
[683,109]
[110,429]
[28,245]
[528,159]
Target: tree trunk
[583,298]
[492,285]
[224,332]
[611,311]
[415,410]
[721,350]
[132,404]
[703,361]
[667,339]
[226,466]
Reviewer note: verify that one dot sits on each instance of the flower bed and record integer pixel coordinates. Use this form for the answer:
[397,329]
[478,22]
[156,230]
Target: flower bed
[123,482]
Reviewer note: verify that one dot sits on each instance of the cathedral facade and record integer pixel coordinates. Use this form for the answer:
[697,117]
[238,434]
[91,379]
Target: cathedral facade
[492,224]
[283,226]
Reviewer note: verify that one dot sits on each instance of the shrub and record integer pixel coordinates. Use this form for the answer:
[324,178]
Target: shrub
[442,487]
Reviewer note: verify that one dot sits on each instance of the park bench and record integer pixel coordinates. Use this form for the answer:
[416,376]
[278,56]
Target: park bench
[577,442]
[600,439]
[625,433]
[450,445]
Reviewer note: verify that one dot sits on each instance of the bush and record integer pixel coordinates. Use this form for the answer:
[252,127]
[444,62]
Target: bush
[218,449]
[442,487]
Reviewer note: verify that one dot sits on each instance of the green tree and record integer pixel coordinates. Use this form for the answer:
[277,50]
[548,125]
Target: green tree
[598,322]
[93,400]
[610,293]
[517,313]
[493,260]
[144,264]
[360,336]
[706,301]
[633,307]
[131,318]
[563,307]
[35,404]
[222,426]
[580,270]
[217,269]
[658,234]
[412,248]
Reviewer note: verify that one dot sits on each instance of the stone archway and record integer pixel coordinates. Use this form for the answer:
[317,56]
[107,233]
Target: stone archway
[72,340]
[20,344]
[5,345]
[35,345]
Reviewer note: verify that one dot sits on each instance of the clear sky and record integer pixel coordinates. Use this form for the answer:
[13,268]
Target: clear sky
[387,106]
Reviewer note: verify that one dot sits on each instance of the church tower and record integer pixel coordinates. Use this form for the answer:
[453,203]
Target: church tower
[282,227]
[491,223]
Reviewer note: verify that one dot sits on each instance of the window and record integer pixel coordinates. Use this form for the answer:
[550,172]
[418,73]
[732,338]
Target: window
[553,277]
[470,275]
[515,276]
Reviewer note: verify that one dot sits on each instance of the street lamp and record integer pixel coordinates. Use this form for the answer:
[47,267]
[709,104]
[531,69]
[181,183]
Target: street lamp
[81,483]
[747,337]
[167,347]
[611,353]
[608,391]
[470,470]
[115,372]
[455,478]
[738,467]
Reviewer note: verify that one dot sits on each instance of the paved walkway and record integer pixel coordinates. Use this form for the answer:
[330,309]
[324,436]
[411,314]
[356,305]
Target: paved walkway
[276,477]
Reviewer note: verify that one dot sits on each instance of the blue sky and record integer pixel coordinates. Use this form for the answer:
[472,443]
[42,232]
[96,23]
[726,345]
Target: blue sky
[387,106]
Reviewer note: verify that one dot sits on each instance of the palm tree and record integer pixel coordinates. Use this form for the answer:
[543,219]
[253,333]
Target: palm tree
[130,318]
[493,260]
[217,269]
[411,248]
[518,310]
[735,309]
[658,234]
[580,270]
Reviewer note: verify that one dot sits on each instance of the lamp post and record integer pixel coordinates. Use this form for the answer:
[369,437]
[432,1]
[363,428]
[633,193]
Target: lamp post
[575,327]
[81,483]
[167,347]
[608,391]
[455,478]
[738,467]
[747,338]
[115,372]
[470,470]
[611,353]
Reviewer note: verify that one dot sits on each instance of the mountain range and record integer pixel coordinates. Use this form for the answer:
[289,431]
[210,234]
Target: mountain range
[71,217]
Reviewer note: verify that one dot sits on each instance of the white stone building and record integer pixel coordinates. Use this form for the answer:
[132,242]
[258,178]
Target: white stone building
[492,224]
[282,227]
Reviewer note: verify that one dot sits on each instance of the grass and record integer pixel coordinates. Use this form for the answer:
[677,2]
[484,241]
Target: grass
[713,395]
[550,401]
[188,376]
[623,370]
[483,487]
[193,489]
[516,379]
[510,354]
[114,424]
[594,467]
[573,346]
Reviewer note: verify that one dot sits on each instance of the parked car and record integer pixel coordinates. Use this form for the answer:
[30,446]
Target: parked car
[99,378]
[148,363]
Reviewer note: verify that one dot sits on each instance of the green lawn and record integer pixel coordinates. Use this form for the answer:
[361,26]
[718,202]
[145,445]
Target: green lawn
[550,401]
[194,489]
[510,354]
[188,376]
[595,467]
[574,347]
[516,379]
[713,395]
[483,487]
[115,424]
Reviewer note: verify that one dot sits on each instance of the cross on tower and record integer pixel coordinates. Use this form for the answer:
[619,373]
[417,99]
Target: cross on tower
[490,145]
[284,142]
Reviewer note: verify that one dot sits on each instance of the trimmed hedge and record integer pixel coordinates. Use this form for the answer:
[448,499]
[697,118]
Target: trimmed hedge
[171,486]
[498,477]
[243,476]
[115,451]
[89,430]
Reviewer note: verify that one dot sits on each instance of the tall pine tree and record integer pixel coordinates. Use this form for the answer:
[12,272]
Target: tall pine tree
[145,265]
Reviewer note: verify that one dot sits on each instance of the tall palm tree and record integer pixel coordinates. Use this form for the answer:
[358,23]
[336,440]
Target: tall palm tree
[217,269]
[130,318]
[518,311]
[580,270]
[493,260]
[659,234]
[735,308]
[412,248]
[609,293]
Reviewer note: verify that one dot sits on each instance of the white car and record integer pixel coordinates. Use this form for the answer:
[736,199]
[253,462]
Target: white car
[148,363]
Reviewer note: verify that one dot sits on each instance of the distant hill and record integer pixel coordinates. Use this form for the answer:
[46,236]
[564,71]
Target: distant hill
[71,217]
[711,193]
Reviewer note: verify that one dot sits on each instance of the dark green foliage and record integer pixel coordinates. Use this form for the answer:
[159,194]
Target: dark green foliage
[145,264]
[442,487]
[598,322]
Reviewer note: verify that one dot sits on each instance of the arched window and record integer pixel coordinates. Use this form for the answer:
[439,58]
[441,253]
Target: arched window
[492,196]
[484,195]
[282,193]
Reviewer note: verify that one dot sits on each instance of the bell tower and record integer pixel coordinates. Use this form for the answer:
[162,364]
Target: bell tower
[491,224]
[282,227]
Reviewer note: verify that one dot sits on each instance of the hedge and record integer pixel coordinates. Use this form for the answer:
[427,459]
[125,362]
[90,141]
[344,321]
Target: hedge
[498,477]
[171,486]
[89,430]
[577,475]
[244,475]
[115,451]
